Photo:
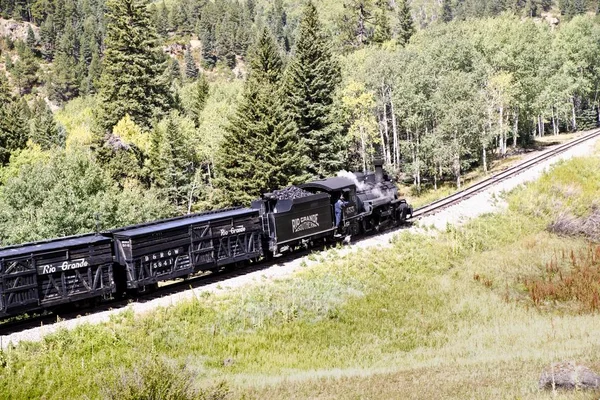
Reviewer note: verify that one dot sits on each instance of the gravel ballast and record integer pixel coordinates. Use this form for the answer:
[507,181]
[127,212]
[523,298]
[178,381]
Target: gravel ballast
[485,202]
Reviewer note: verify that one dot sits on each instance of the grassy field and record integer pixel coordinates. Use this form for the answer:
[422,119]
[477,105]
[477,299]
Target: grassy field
[450,315]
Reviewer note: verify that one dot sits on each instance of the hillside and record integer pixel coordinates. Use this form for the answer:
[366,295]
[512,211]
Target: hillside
[437,100]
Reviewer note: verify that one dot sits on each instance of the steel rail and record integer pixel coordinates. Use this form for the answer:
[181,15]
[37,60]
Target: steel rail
[440,204]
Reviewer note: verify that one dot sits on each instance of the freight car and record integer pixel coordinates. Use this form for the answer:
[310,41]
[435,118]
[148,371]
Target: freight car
[48,274]
[92,267]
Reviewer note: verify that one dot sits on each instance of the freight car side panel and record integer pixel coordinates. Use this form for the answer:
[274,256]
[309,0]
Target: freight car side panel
[237,239]
[176,248]
[55,272]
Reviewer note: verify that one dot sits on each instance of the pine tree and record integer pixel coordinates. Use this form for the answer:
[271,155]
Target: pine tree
[262,151]
[447,14]
[13,122]
[133,80]
[406,25]
[310,84]
[43,129]
[277,19]
[175,69]
[356,23]
[579,7]
[31,40]
[200,96]
[24,70]
[191,70]
[170,159]
[65,79]
[382,30]
[225,41]
[162,24]
[47,37]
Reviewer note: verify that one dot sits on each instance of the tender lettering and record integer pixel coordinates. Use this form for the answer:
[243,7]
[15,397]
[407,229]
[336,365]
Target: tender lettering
[304,223]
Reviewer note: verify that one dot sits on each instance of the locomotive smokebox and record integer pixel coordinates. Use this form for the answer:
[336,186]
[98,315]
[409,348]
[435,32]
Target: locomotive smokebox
[378,170]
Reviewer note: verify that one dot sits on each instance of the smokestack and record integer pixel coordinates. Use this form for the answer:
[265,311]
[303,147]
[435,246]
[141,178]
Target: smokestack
[378,170]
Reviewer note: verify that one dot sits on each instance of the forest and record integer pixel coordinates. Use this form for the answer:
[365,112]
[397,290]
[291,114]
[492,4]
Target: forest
[114,112]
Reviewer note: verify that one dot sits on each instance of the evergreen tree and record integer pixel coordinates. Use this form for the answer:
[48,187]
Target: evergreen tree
[43,129]
[13,122]
[251,9]
[356,23]
[277,19]
[382,30]
[310,85]
[406,25]
[175,69]
[31,41]
[447,14]
[225,41]
[170,159]
[199,97]
[262,151]
[132,80]
[579,7]
[162,22]
[65,79]
[47,37]
[24,70]
[191,70]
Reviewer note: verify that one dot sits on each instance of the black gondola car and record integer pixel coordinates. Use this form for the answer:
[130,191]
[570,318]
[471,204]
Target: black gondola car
[50,273]
[178,247]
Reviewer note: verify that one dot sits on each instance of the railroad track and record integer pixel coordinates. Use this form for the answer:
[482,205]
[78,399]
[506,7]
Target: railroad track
[457,197]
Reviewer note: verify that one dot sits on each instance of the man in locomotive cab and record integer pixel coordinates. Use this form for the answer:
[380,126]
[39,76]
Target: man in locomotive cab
[340,204]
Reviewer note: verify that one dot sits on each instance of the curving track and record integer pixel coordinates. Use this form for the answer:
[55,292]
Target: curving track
[457,197]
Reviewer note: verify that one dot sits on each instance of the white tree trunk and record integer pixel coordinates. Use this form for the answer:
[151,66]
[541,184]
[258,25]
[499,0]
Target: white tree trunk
[394,133]
[484,158]
[516,128]
[387,133]
[574,118]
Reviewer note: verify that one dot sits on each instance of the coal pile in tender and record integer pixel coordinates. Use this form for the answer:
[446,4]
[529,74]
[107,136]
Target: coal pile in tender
[291,193]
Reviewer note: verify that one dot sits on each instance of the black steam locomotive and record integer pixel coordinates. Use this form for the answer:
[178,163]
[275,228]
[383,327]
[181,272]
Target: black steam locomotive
[47,274]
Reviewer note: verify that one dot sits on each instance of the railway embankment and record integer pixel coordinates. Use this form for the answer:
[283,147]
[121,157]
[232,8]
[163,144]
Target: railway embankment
[457,314]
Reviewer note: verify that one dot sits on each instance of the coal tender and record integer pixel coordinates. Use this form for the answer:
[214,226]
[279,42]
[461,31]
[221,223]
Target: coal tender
[292,218]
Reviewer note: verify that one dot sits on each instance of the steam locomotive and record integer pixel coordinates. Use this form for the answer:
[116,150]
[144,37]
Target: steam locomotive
[91,267]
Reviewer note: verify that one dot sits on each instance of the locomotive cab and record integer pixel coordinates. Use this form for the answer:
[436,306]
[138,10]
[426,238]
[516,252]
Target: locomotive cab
[336,188]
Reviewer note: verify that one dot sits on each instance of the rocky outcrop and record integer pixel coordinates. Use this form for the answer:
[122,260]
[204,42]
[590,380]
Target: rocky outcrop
[17,30]
[569,375]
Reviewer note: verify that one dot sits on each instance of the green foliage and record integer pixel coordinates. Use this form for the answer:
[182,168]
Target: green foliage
[31,40]
[60,195]
[158,378]
[191,70]
[447,11]
[13,122]
[172,161]
[406,26]
[133,80]
[24,70]
[44,131]
[310,83]
[196,97]
[261,151]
